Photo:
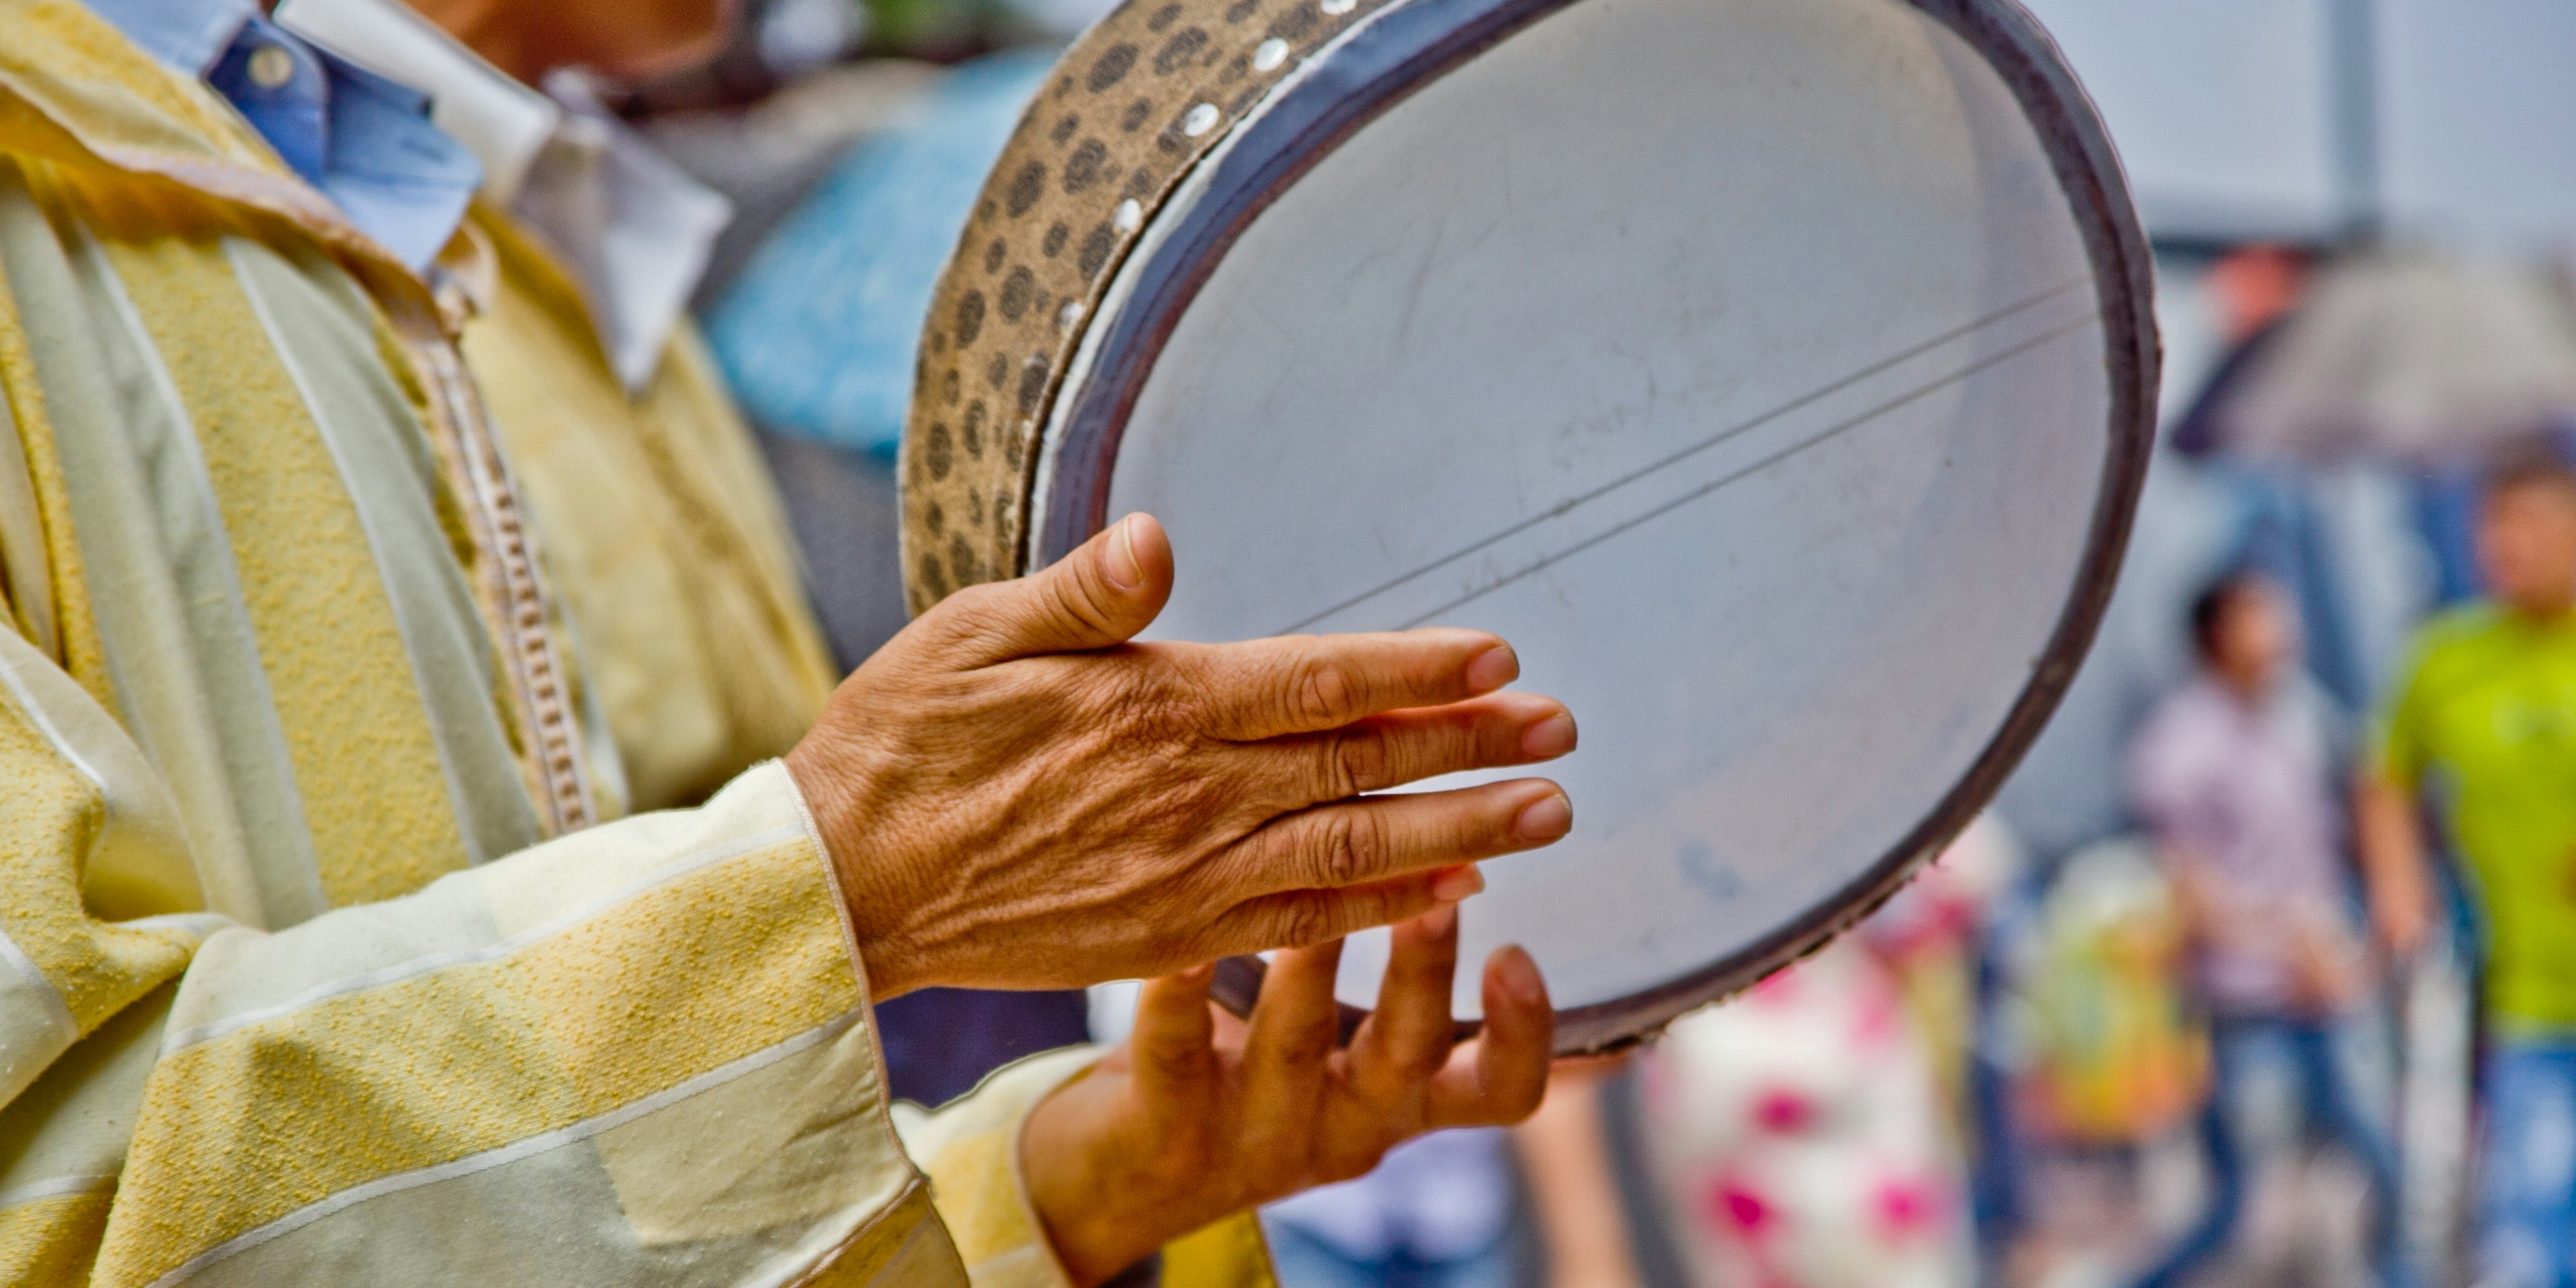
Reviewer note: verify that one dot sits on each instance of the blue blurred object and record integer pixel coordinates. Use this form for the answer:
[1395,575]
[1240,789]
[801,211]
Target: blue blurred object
[819,332]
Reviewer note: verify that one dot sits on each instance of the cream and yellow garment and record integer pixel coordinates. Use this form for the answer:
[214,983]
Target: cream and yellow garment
[666,543]
[294,986]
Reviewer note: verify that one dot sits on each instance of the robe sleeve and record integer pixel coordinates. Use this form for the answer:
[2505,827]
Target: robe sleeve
[639,1053]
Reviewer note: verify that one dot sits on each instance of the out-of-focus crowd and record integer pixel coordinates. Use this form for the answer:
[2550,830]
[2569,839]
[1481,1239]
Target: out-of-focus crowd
[2219,991]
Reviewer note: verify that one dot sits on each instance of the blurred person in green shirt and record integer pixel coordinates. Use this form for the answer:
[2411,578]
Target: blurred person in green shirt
[2483,725]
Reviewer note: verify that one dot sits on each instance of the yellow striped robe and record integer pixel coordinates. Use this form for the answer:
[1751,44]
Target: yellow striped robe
[313,964]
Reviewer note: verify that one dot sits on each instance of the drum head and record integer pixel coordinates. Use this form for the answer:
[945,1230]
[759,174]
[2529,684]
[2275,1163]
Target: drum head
[1776,375]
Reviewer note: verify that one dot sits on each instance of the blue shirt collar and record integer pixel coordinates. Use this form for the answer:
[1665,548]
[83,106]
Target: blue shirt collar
[364,141]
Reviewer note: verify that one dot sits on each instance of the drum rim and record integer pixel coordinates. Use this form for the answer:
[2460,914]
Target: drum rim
[1409,45]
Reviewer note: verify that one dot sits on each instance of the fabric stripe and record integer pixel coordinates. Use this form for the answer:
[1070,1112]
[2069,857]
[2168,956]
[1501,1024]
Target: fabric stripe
[904,1245]
[186,707]
[93,968]
[35,1025]
[800,1141]
[673,983]
[509,1153]
[181,1039]
[65,1136]
[103,1183]
[24,579]
[199,544]
[820,1167]
[466,911]
[324,333]
[61,1143]
[51,1241]
[138,864]
[13,668]
[376,795]
[76,646]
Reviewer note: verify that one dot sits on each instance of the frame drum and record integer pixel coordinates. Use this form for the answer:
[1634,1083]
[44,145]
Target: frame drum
[1776,375]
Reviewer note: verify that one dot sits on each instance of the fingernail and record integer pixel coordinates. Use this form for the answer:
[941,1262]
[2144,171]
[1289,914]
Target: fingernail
[1493,668]
[1520,975]
[1545,819]
[1456,884]
[1121,567]
[1549,738]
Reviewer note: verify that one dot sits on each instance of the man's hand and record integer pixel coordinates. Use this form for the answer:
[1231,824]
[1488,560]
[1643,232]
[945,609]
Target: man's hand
[2329,972]
[2394,868]
[1015,796]
[1200,1115]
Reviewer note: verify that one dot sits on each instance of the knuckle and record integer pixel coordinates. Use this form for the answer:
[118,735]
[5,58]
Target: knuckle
[1345,848]
[1356,761]
[1320,692]
[1419,1066]
[1305,922]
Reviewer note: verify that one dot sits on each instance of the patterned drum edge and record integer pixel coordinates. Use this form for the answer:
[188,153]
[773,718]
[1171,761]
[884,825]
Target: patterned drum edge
[1134,104]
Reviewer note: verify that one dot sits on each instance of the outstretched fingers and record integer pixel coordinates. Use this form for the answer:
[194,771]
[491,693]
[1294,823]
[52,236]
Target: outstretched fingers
[1292,684]
[1377,839]
[1286,1061]
[1382,1098]
[1501,1076]
[1400,747]
[1303,918]
[1407,1038]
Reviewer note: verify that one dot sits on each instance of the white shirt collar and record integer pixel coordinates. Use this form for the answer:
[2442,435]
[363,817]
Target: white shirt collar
[634,229]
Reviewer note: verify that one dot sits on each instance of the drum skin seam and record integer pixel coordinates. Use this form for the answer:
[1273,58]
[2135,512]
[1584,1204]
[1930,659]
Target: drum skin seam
[1140,101]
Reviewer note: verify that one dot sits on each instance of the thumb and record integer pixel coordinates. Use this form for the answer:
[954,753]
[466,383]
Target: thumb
[1108,589]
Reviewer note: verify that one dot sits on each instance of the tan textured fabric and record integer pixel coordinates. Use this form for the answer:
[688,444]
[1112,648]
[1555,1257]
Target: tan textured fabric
[1101,148]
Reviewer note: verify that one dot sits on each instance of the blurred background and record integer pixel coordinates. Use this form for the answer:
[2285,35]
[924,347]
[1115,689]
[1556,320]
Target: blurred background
[2143,1024]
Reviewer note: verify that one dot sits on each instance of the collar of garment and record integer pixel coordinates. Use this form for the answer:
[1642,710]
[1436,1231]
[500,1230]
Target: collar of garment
[401,165]
[364,141]
[634,231]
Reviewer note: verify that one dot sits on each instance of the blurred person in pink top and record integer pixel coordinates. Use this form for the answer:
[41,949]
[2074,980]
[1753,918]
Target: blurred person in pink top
[2233,774]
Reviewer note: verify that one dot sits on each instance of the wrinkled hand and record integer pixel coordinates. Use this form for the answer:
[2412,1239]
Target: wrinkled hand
[1015,796]
[1199,1115]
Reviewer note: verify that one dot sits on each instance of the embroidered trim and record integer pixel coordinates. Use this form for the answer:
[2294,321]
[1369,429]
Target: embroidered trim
[511,587]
